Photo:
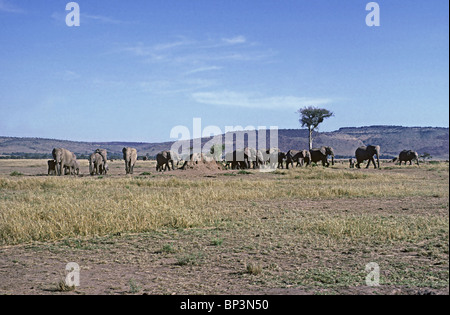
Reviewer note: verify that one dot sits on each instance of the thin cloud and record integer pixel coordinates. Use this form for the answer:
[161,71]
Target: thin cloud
[199,53]
[248,100]
[176,86]
[87,18]
[235,40]
[10,8]
[101,18]
[172,45]
[204,69]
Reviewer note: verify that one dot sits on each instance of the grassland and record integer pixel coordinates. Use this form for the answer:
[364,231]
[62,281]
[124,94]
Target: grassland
[303,230]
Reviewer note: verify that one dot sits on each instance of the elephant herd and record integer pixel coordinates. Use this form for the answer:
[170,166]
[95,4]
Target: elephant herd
[65,162]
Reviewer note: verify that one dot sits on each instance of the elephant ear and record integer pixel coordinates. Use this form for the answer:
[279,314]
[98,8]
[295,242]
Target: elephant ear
[377,149]
[124,150]
[323,150]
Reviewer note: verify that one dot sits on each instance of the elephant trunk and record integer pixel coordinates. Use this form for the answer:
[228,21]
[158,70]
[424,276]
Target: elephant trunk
[378,159]
[59,168]
[332,160]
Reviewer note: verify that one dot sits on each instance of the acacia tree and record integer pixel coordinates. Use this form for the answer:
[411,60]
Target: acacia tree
[311,117]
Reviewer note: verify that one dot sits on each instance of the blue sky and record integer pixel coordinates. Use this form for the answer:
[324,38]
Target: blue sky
[133,70]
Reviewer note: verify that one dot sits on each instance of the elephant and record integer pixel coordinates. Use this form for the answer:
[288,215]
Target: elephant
[322,155]
[130,157]
[104,154]
[235,160]
[51,167]
[271,157]
[63,158]
[407,156]
[254,158]
[74,168]
[281,158]
[366,153]
[96,165]
[164,159]
[245,158]
[352,162]
[298,156]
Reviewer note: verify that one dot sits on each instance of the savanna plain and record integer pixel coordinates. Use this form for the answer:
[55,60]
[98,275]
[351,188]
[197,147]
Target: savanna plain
[299,231]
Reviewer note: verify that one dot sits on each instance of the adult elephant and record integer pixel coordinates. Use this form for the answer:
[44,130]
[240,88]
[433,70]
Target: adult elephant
[63,158]
[407,156]
[130,157]
[273,157]
[104,154]
[365,153]
[245,158]
[300,157]
[321,155]
[281,158]
[164,159]
[236,160]
[253,158]
[97,165]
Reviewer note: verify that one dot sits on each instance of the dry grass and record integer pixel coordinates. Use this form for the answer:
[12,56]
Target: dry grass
[185,233]
[52,208]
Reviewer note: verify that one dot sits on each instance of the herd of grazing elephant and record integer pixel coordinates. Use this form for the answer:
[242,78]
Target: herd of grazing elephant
[65,162]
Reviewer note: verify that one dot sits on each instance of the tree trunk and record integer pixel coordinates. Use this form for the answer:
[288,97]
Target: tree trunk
[310,138]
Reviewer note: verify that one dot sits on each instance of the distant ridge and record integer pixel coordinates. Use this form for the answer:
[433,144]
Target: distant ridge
[392,139]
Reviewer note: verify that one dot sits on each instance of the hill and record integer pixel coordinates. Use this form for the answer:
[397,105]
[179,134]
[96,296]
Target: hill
[392,140]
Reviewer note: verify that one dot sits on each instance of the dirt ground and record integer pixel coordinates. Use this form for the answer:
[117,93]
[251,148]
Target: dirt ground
[260,254]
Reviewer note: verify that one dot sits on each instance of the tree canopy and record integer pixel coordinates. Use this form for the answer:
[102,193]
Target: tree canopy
[311,117]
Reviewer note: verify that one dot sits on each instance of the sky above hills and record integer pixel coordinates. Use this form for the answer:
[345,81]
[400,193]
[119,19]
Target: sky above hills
[133,70]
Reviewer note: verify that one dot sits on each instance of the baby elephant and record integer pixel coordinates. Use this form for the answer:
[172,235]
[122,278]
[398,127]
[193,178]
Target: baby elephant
[352,162]
[51,167]
[74,168]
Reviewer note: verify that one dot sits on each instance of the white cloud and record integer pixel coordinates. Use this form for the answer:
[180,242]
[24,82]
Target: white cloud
[235,40]
[10,8]
[248,100]
[204,69]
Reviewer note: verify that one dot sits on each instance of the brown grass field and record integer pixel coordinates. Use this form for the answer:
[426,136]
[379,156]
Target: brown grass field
[299,231]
